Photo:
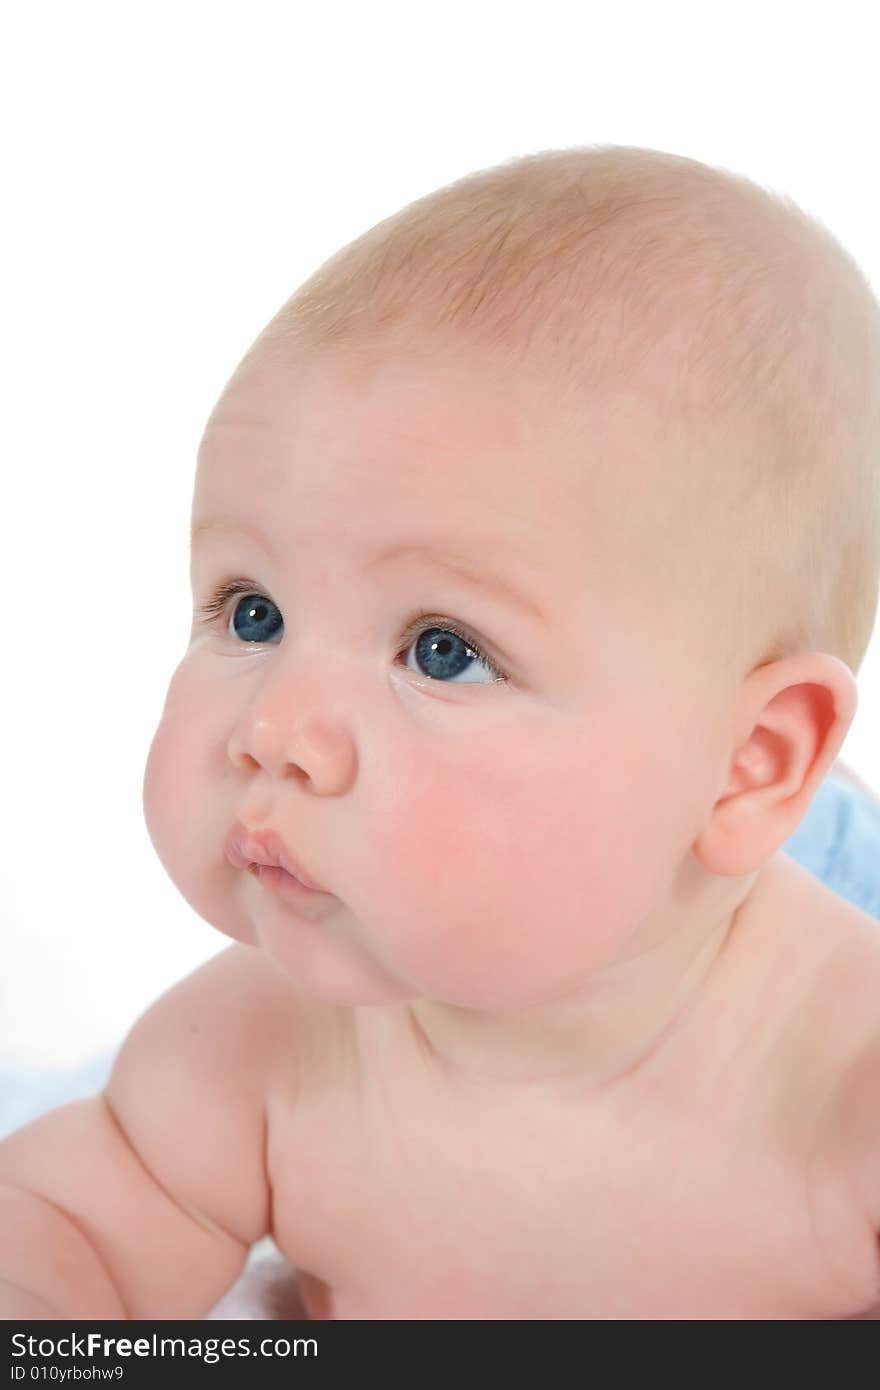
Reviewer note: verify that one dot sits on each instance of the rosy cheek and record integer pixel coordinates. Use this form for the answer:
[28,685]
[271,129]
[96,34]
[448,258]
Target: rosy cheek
[501,878]
[462,859]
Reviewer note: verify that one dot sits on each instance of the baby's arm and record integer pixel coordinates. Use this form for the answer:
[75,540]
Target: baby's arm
[142,1202]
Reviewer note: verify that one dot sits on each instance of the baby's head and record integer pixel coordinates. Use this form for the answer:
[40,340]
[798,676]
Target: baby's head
[552,512]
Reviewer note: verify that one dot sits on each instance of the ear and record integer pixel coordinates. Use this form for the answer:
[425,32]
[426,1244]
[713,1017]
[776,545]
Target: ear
[791,719]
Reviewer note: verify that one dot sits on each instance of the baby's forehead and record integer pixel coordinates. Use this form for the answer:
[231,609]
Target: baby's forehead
[452,442]
[447,407]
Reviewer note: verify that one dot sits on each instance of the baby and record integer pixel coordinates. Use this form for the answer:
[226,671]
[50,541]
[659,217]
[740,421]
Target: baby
[535,545]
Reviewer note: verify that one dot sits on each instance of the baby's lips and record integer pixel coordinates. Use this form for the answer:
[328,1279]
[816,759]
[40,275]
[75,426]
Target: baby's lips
[245,846]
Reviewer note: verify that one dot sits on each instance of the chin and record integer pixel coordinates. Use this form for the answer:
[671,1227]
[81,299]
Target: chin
[331,972]
[342,991]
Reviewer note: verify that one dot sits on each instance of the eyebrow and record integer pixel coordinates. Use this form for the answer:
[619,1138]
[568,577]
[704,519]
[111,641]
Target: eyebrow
[228,523]
[458,565]
[495,584]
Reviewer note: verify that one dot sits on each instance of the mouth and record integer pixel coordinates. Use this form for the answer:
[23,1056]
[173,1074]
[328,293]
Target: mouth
[264,854]
[278,880]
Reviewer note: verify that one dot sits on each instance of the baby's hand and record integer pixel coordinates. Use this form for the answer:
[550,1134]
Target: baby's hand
[143,1202]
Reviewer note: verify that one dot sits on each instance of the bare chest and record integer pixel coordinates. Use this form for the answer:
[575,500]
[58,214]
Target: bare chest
[397,1203]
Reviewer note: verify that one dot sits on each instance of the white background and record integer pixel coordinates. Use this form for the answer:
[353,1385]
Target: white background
[171,172]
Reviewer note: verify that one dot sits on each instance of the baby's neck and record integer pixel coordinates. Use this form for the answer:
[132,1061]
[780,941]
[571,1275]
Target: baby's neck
[619,1020]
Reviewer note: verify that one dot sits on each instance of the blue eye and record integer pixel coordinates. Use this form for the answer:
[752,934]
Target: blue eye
[443,651]
[256,619]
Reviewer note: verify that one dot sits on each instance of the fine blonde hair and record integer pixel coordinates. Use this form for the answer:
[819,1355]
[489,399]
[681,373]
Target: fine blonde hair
[748,325]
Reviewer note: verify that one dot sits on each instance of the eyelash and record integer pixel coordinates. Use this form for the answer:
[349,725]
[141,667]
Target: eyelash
[235,588]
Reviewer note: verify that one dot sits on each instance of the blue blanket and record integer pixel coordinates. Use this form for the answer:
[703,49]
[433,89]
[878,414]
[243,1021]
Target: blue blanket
[839,841]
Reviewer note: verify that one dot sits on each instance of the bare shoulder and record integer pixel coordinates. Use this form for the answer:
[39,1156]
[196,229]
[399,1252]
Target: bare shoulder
[235,1021]
[191,1085]
[852,1138]
[239,1027]
[821,954]
[844,1027]
[232,1008]
[831,1076]
[856,1114]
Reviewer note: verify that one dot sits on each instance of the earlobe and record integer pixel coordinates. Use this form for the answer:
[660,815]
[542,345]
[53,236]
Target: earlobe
[793,717]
